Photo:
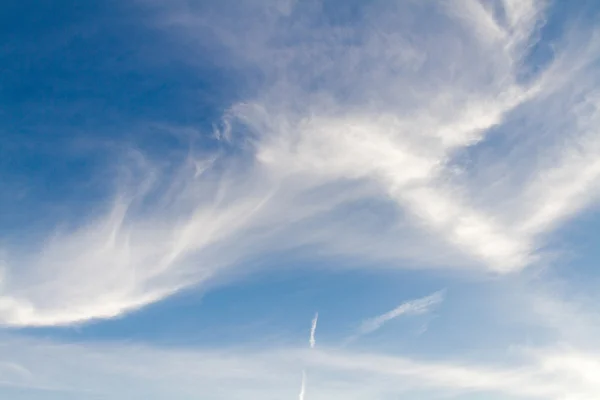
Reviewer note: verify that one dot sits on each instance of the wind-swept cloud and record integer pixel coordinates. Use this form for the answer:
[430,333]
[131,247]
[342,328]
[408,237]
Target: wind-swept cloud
[352,135]
[312,342]
[120,372]
[302,386]
[313,331]
[420,306]
[375,110]
[125,260]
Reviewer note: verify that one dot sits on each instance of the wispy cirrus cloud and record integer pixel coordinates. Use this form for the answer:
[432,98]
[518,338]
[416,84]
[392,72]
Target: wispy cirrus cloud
[372,135]
[413,307]
[120,371]
[376,110]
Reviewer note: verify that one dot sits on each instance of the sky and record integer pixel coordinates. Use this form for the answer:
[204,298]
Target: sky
[299,199]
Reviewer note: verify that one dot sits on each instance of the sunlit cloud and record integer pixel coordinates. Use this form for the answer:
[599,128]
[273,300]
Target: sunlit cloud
[420,306]
[103,370]
[380,110]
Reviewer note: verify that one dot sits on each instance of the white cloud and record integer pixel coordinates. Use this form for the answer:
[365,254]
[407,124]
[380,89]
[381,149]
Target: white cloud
[380,109]
[302,386]
[119,371]
[130,257]
[570,182]
[312,342]
[313,331]
[413,307]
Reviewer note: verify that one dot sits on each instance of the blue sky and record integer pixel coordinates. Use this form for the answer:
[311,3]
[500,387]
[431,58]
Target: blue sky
[299,199]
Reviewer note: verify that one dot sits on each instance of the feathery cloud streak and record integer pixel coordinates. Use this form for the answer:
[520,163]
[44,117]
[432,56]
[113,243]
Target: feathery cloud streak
[106,370]
[313,331]
[414,307]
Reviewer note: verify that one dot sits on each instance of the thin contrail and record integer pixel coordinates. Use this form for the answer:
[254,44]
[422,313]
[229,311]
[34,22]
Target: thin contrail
[303,386]
[313,330]
[412,307]
[312,342]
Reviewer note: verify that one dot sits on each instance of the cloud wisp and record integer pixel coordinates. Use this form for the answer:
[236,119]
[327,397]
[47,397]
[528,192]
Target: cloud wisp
[302,386]
[117,371]
[312,342]
[313,330]
[419,306]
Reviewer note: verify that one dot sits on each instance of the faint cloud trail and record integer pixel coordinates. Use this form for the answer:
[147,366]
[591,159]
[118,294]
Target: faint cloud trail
[413,307]
[313,330]
[312,341]
[303,386]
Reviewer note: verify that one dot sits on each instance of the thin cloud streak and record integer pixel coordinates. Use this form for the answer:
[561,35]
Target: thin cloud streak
[313,330]
[420,306]
[302,386]
[312,342]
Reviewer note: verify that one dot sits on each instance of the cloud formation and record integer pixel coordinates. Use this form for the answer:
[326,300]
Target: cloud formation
[312,342]
[374,110]
[413,307]
[118,371]
[313,331]
[302,386]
